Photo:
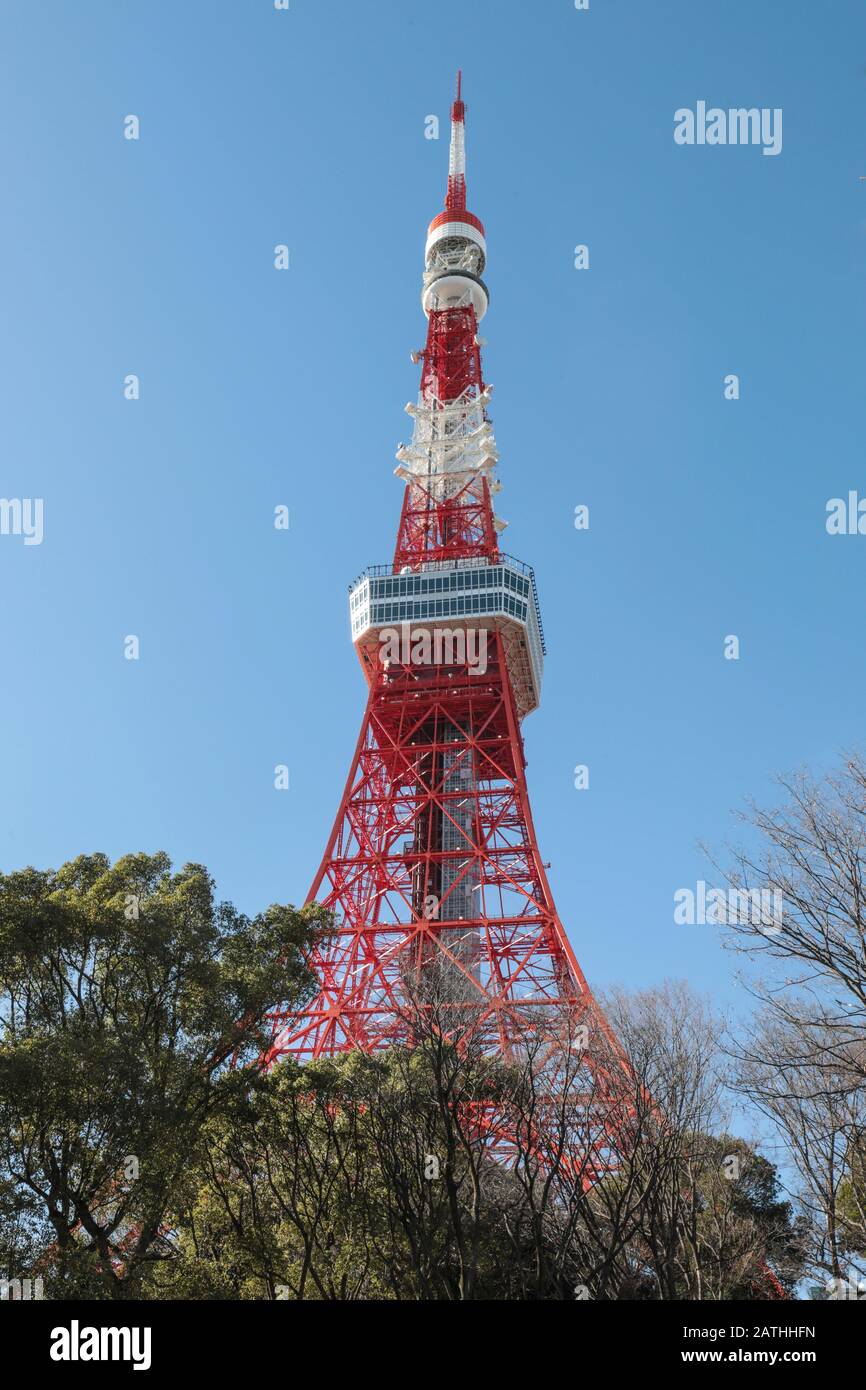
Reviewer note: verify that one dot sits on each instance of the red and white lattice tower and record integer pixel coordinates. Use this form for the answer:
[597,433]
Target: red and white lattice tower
[433,858]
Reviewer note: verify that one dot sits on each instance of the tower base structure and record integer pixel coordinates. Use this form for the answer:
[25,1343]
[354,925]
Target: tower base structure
[440,896]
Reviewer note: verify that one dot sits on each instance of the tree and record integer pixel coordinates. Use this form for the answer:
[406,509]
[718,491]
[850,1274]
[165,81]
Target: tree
[439,1171]
[800,1087]
[126,993]
[803,1063]
[709,1224]
[811,853]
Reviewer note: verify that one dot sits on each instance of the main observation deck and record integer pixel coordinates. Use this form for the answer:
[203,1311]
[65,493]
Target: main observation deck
[495,595]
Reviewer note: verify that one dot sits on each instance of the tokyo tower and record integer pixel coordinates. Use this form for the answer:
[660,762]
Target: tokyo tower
[432,868]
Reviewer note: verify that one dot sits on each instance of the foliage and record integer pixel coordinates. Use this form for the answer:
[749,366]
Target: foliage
[125,993]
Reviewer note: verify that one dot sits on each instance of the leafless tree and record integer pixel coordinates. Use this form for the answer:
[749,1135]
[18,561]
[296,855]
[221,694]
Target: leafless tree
[796,1079]
[803,1063]
[811,852]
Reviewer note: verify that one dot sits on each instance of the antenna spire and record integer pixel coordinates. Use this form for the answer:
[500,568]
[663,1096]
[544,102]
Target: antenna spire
[455,200]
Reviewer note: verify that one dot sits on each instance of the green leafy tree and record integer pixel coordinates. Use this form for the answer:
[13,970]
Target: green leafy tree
[127,993]
[345,1179]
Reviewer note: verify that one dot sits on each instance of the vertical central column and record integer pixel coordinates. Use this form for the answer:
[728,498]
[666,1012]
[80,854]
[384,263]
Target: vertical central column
[446,875]
[460,872]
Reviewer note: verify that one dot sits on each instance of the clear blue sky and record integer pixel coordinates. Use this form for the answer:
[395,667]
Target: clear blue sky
[258,388]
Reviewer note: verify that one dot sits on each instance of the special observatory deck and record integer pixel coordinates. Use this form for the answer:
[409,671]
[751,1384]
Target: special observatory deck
[497,596]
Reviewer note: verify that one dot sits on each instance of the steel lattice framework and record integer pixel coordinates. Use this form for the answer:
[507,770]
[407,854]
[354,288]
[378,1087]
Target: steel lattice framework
[433,851]
[433,858]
